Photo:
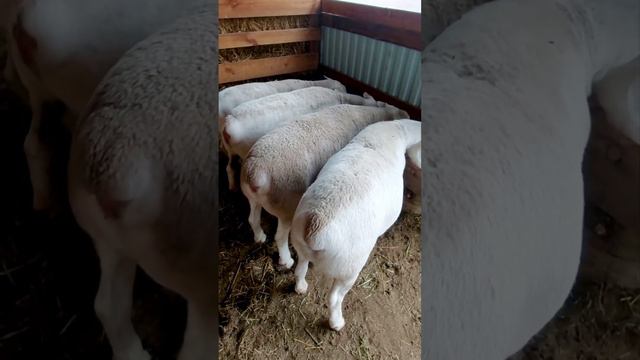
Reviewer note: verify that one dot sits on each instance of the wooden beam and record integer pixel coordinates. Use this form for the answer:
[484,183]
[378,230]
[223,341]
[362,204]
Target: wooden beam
[398,19]
[230,9]
[414,112]
[258,68]
[254,38]
[406,38]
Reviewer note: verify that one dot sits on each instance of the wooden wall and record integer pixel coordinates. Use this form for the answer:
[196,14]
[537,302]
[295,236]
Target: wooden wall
[271,66]
[388,25]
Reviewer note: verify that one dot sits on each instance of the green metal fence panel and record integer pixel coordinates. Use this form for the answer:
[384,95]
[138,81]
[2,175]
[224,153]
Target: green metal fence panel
[388,67]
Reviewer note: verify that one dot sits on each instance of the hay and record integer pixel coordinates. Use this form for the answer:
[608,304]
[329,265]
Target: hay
[598,321]
[266,23]
[261,24]
[261,52]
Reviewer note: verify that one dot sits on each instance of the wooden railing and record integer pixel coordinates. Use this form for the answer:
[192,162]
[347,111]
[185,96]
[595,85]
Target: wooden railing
[390,25]
[270,66]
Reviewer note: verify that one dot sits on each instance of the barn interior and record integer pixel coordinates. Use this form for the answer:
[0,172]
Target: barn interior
[368,49]
[49,270]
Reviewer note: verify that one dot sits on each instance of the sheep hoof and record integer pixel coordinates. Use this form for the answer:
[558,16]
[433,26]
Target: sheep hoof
[286,264]
[336,325]
[260,238]
[301,287]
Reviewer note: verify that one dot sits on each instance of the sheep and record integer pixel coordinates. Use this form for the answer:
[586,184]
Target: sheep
[61,49]
[233,96]
[143,177]
[413,181]
[618,93]
[506,124]
[356,197]
[251,120]
[283,163]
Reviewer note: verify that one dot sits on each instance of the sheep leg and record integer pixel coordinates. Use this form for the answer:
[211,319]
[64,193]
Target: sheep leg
[38,160]
[22,46]
[282,241]
[254,220]
[339,289]
[113,303]
[199,343]
[300,273]
[231,175]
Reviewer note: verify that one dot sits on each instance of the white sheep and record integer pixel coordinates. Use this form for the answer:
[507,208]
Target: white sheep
[230,97]
[233,96]
[356,197]
[251,120]
[61,49]
[143,176]
[618,93]
[413,181]
[283,163]
[506,125]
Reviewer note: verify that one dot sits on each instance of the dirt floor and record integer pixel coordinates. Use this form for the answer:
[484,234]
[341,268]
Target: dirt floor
[598,322]
[261,315]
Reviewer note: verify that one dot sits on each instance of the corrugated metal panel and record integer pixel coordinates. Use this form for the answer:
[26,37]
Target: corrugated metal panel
[390,68]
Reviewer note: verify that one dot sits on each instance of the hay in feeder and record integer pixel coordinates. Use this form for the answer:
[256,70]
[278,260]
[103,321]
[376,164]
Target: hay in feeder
[264,51]
[264,23]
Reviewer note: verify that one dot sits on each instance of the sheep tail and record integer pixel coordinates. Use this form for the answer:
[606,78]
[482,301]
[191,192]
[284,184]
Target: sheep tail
[305,229]
[259,181]
[119,183]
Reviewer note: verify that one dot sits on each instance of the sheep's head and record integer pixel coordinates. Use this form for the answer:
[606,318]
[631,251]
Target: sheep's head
[402,114]
[370,101]
[336,85]
[393,111]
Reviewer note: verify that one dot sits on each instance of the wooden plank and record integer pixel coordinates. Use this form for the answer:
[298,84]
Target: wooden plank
[352,84]
[258,68]
[406,38]
[254,38]
[229,9]
[398,19]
